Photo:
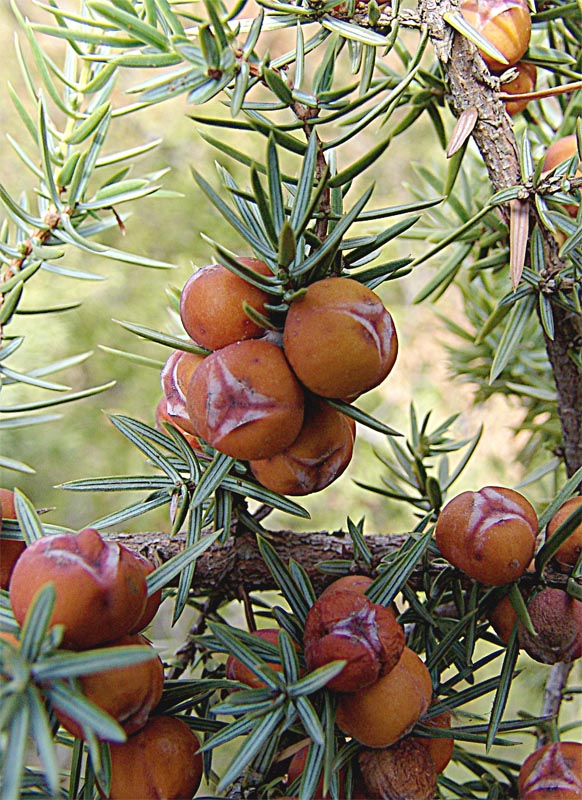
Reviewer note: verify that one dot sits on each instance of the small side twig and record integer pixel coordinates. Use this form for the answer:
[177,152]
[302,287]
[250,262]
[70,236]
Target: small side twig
[186,653]
[553,696]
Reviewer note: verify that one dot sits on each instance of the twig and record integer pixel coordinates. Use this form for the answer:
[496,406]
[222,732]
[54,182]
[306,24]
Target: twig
[186,653]
[553,696]
[246,570]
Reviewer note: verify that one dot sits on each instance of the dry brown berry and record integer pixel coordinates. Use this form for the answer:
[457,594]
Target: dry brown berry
[503,617]
[557,619]
[211,304]
[490,534]
[404,771]
[245,401]
[339,338]
[384,712]
[552,772]
[569,551]
[506,24]
[100,586]
[343,624]
[318,456]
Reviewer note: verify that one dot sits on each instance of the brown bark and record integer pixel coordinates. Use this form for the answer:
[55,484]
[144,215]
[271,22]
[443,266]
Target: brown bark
[238,566]
[553,696]
[471,86]
[568,383]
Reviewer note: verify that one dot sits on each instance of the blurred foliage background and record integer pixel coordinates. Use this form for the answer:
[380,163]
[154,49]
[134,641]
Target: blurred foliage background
[84,444]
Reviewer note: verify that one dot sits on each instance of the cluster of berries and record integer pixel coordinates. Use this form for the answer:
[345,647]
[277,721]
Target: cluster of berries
[260,394]
[101,601]
[382,691]
[384,688]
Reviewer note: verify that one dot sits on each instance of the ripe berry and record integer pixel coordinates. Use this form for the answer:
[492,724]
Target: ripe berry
[163,416]
[440,748]
[503,617]
[506,24]
[297,767]
[176,375]
[153,601]
[235,670]
[339,338]
[245,401]
[318,456]
[525,82]
[12,640]
[128,694]
[100,586]
[349,583]
[384,712]
[161,760]
[490,534]
[569,551]
[560,151]
[211,304]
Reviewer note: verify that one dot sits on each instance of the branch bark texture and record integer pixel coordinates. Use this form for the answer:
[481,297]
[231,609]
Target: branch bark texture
[568,379]
[238,565]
